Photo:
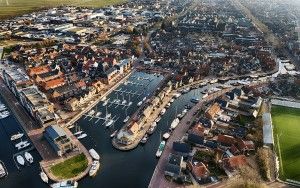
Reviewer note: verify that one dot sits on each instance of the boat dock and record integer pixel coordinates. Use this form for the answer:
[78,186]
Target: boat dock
[128,92]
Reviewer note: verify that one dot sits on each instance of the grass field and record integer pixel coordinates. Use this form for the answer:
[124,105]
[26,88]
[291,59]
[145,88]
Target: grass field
[71,167]
[286,122]
[17,7]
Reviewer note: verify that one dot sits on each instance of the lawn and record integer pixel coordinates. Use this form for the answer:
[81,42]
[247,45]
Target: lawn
[17,7]
[71,167]
[287,139]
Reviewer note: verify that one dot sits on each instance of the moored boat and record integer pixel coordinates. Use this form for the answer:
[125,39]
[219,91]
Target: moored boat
[160,148]
[114,133]
[163,111]
[65,184]
[81,136]
[16,136]
[144,139]
[28,157]
[126,119]
[109,123]
[44,177]
[174,123]
[94,168]
[94,154]
[20,160]
[166,136]
[3,170]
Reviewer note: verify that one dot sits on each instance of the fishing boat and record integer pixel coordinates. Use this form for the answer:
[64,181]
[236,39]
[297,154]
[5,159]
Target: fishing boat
[174,123]
[114,133]
[44,177]
[166,136]
[109,123]
[126,119]
[20,160]
[94,154]
[172,100]
[163,111]
[160,148]
[144,139]
[94,168]
[65,184]
[81,136]
[176,95]
[16,136]
[168,105]
[28,157]
[3,170]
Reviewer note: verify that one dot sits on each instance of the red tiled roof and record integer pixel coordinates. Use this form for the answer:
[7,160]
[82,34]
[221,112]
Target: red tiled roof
[235,162]
[54,83]
[226,139]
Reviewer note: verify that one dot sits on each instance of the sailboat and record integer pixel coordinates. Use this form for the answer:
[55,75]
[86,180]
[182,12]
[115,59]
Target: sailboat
[20,160]
[108,115]
[127,117]
[105,102]
[81,136]
[109,123]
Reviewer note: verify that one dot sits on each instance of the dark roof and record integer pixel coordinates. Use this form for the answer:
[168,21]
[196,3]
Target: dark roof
[175,159]
[48,74]
[173,169]
[181,147]
[54,132]
[194,138]
[211,144]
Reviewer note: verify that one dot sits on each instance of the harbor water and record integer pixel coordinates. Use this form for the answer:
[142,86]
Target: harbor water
[128,169]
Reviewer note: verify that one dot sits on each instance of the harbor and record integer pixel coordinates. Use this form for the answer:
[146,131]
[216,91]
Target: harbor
[99,138]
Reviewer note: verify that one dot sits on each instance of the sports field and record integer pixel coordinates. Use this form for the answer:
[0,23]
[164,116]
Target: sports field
[17,7]
[286,122]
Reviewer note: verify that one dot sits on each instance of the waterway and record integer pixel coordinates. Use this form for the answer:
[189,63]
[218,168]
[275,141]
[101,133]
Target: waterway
[118,168]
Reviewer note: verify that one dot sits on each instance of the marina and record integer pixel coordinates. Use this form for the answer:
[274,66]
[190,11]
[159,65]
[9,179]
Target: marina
[99,138]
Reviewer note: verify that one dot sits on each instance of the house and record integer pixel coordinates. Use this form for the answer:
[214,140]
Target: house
[181,147]
[44,77]
[199,171]
[231,164]
[38,70]
[45,117]
[59,140]
[226,140]
[196,135]
[133,128]
[71,104]
[245,146]
[212,111]
[174,166]
[51,84]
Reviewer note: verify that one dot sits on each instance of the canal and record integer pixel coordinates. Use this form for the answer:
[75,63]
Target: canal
[118,168]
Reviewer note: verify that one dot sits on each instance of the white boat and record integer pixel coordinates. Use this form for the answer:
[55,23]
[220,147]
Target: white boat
[109,123]
[2,108]
[16,136]
[3,170]
[44,177]
[98,114]
[124,102]
[166,136]
[4,114]
[182,114]
[172,100]
[20,160]
[157,119]
[81,136]
[140,103]
[114,133]
[107,116]
[105,102]
[94,154]
[126,119]
[205,95]
[65,184]
[160,148]
[168,105]
[117,101]
[92,112]
[144,99]
[28,157]
[130,103]
[94,168]
[144,139]
[176,95]
[174,123]
[22,144]
[78,132]
[163,111]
